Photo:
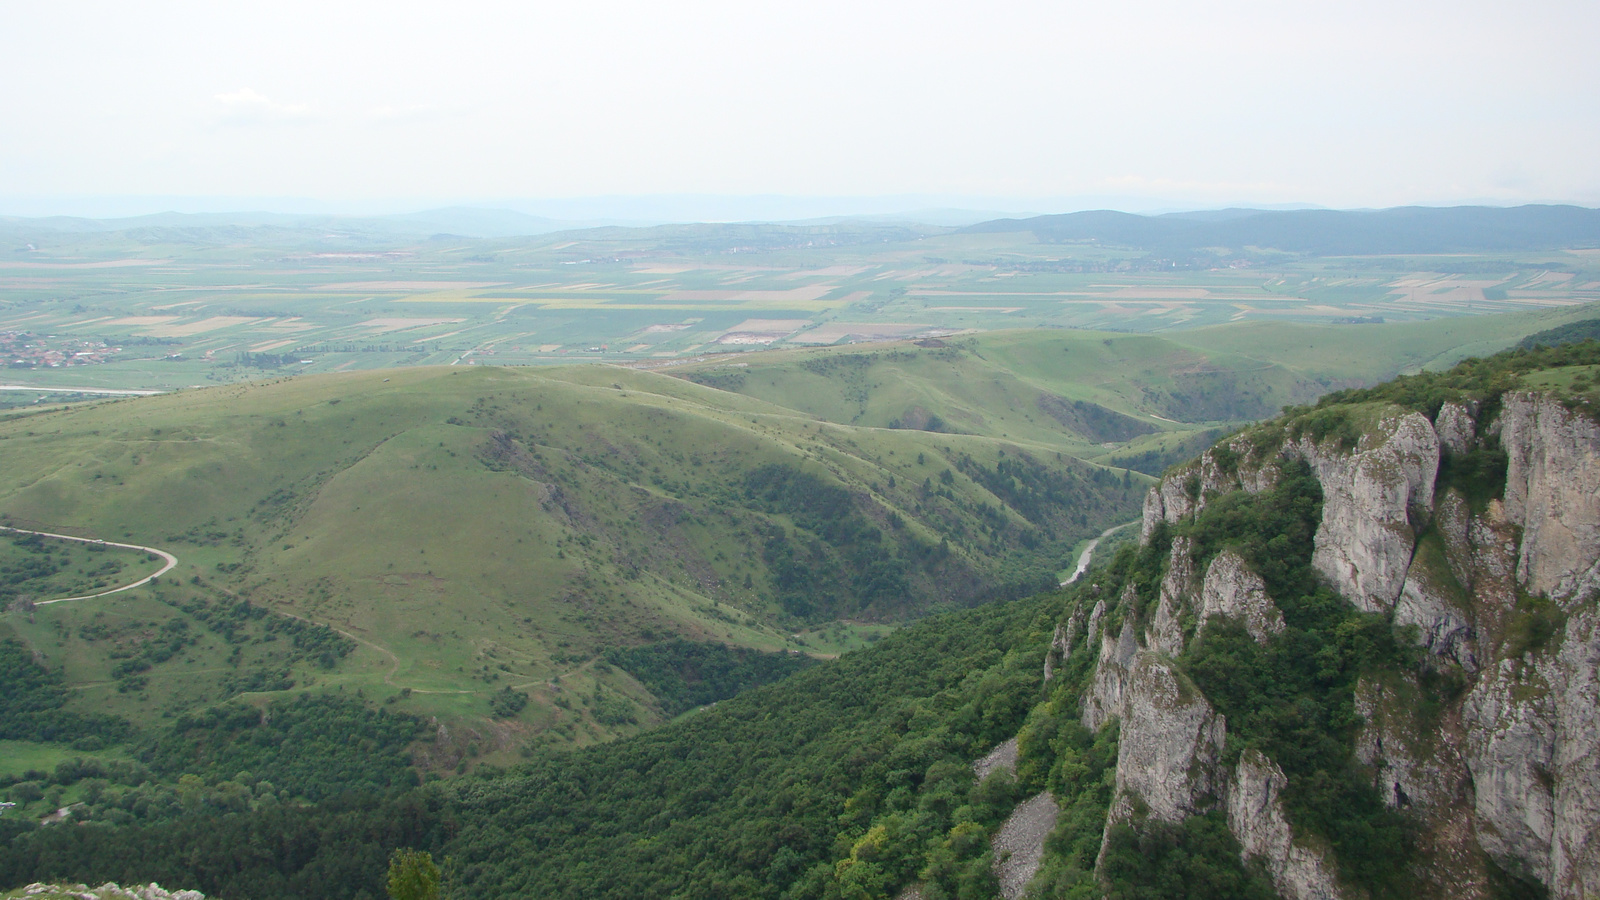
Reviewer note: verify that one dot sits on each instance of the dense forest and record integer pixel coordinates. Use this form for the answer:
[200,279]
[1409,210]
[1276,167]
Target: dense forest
[682,675]
[32,700]
[740,800]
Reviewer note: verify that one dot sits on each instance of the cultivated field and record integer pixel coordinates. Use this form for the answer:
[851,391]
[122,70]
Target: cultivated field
[219,307]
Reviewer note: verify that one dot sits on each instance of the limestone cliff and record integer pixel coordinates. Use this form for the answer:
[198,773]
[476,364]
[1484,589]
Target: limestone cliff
[1232,591]
[1255,815]
[1171,741]
[1551,476]
[1488,741]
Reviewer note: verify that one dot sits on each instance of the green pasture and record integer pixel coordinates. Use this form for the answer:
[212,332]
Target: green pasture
[20,757]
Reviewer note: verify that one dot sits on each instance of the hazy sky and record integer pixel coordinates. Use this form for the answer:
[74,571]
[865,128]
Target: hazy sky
[1348,103]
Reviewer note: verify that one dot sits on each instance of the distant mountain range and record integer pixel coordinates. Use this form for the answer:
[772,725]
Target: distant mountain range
[1319,232]
[1325,232]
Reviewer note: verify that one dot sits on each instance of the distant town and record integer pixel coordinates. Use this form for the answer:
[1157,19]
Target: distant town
[23,350]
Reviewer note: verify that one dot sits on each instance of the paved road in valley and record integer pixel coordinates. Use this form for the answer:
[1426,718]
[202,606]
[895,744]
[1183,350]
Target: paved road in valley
[110,392]
[1087,555]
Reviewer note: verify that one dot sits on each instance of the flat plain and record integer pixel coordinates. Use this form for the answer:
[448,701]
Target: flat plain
[168,308]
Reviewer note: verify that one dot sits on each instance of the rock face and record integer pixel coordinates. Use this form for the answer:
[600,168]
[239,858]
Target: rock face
[1575,864]
[1433,601]
[1255,816]
[1171,740]
[1233,591]
[1061,643]
[1414,763]
[1364,542]
[1457,427]
[1551,477]
[1165,633]
[1168,501]
[1111,678]
[1502,594]
[1510,749]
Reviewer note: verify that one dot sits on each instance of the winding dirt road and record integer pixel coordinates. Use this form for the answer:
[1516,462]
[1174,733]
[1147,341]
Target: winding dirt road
[170,559]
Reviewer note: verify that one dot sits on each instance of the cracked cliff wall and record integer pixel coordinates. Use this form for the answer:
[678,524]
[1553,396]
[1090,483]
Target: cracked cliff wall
[1491,746]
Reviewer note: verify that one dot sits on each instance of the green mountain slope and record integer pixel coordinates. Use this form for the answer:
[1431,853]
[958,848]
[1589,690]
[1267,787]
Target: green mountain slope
[1076,389]
[476,529]
[1126,400]
[1012,383]
[736,801]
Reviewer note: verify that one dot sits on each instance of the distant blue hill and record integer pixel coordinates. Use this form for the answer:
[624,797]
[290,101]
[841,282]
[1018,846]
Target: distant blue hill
[1325,232]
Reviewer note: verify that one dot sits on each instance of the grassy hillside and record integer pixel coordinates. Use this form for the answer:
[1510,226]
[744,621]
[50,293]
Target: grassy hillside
[1127,400]
[474,529]
[1086,393]
[1351,355]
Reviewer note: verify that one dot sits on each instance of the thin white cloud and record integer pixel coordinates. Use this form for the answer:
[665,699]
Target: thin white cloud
[245,106]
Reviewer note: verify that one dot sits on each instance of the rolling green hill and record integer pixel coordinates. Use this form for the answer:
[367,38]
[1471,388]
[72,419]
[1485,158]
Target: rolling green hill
[474,529]
[1090,394]
[1127,400]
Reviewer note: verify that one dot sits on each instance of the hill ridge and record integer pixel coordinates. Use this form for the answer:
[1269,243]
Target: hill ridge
[1328,232]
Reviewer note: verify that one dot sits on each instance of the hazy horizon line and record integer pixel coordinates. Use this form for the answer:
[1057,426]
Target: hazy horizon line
[655,209]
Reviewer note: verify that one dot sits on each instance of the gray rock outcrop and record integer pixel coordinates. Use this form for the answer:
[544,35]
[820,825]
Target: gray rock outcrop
[1575,840]
[1510,750]
[1169,502]
[1255,816]
[1457,427]
[1171,740]
[1552,476]
[1111,677]
[1504,768]
[1432,599]
[1233,591]
[1369,497]
[1165,633]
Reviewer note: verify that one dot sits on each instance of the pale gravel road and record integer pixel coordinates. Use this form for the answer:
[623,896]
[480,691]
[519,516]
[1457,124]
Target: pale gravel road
[171,561]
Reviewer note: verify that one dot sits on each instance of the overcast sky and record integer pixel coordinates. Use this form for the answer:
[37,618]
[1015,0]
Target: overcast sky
[1028,105]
